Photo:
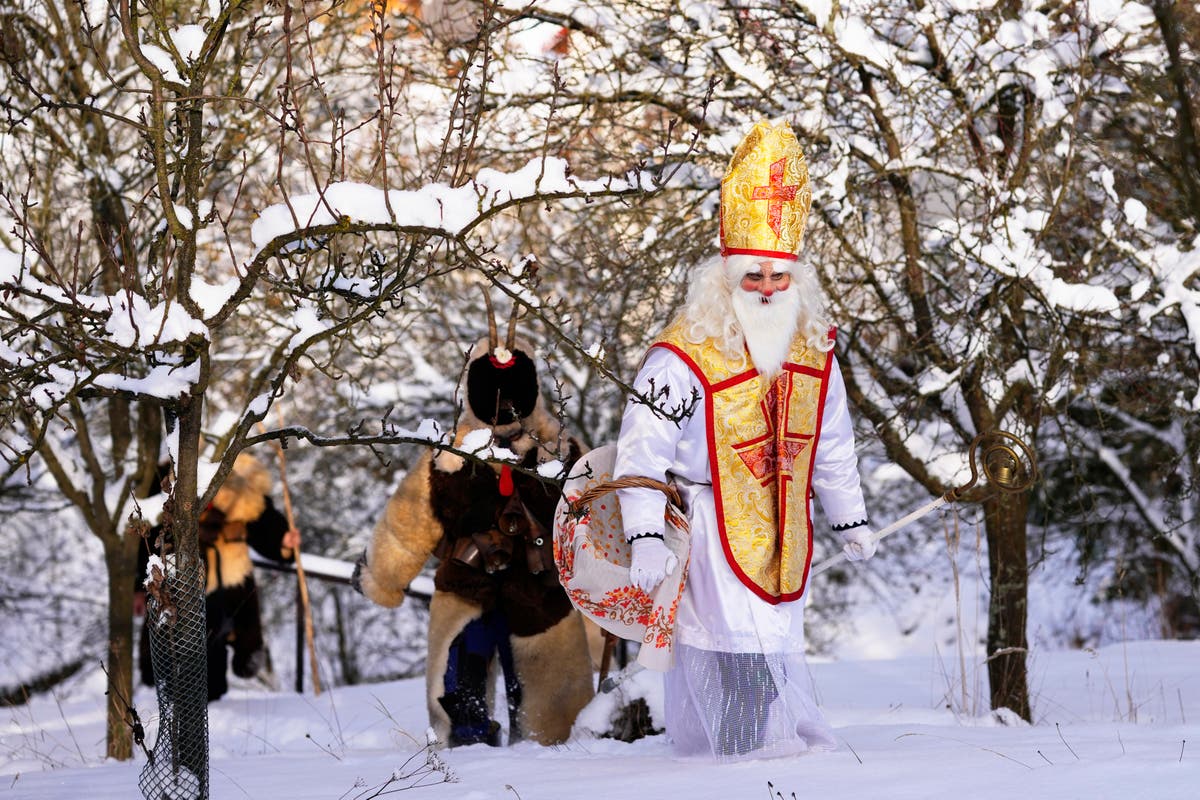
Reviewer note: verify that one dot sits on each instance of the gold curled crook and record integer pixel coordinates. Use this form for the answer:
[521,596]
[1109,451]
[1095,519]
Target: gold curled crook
[1008,464]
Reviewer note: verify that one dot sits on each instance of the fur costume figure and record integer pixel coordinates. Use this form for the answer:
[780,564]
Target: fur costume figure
[240,516]
[497,602]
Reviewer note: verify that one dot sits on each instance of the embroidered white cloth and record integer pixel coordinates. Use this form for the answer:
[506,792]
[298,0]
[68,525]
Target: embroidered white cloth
[593,558]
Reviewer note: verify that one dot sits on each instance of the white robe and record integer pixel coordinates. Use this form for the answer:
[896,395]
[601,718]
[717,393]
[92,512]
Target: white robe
[718,614]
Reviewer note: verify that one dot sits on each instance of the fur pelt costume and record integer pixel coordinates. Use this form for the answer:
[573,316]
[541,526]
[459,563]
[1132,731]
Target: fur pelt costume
[497,599]
[240,516]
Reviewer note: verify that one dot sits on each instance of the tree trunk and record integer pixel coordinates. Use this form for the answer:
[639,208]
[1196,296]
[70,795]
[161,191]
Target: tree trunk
[1187,142]
[189,686]
[120,560]
[1008,565]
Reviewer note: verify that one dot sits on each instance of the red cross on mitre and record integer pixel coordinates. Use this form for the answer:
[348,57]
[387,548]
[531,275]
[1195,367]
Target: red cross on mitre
[776,194]
[767,457]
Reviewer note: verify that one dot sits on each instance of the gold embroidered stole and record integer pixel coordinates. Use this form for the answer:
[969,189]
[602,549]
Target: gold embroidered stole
[761,444]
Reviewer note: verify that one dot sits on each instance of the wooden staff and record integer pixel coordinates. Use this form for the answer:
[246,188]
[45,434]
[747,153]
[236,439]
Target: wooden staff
[302,582]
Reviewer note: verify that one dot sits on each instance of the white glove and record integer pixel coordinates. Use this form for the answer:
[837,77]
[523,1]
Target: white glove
[859,546]
[652,561]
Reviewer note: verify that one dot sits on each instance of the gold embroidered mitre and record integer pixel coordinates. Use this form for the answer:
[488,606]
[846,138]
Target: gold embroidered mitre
[765,195]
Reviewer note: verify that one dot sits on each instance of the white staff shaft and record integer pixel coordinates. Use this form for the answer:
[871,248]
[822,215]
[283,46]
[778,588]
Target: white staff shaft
[879,534]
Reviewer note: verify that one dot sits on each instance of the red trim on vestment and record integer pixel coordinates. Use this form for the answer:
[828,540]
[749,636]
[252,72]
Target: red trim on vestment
[713,469]
[812,372]
[746,251]
[734,380]
[690,364]
[808,490]
[783,481]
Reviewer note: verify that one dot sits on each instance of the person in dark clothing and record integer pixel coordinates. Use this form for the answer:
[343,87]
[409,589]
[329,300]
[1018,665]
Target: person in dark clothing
[241,516]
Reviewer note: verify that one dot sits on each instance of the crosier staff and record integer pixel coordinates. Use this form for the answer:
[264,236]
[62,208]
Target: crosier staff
[1008,464]
[1004,458]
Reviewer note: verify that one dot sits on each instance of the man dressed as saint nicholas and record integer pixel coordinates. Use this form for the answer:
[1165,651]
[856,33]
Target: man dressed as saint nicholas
[753,346]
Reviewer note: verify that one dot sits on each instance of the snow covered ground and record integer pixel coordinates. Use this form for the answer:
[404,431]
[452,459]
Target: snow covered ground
[1119,722]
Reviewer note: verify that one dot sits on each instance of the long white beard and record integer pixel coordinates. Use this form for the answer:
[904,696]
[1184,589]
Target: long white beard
[768,327]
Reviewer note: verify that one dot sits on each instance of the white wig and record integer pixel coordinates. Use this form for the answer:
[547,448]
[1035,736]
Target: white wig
[708,312]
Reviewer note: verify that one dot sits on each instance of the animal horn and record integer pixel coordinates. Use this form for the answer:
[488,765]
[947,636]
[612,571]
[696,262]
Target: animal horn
[493,336]
[512,328]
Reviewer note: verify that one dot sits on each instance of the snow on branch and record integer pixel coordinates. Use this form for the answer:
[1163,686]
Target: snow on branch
[1013,248]
[436,206]
[1176,537]
[1175,271]
[116,326]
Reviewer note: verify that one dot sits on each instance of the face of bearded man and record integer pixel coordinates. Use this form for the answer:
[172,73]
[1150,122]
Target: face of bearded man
[768,317]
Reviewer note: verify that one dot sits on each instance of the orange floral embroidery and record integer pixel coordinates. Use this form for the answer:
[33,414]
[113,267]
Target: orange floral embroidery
[628,605]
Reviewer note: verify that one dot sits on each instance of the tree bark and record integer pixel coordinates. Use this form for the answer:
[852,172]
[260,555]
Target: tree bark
[119,557]
[189,691]
[1187,142]
[1008,567]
